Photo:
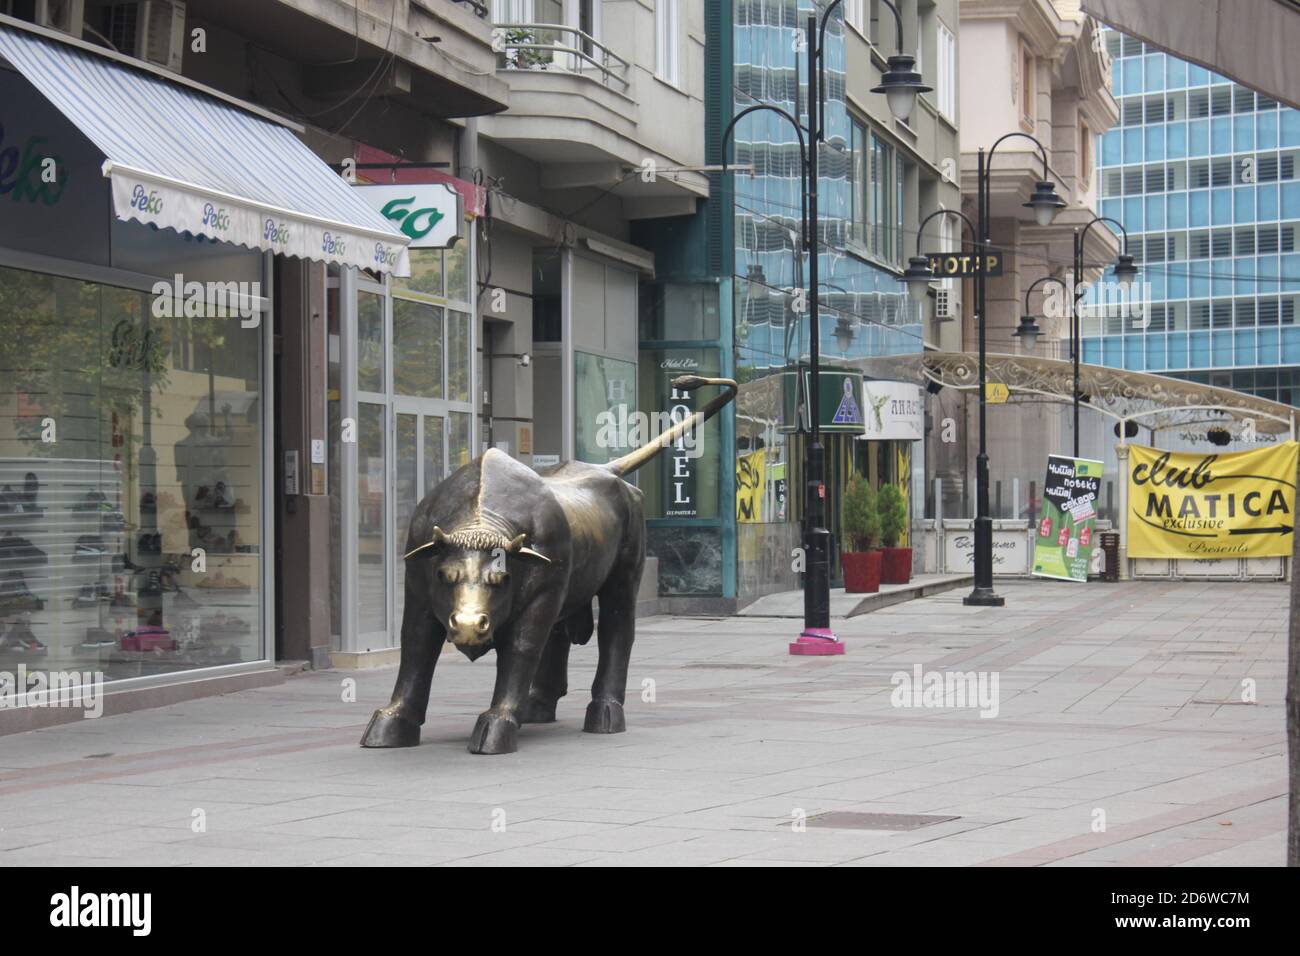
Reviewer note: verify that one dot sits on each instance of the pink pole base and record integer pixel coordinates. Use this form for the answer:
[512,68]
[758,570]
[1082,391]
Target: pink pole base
[817,642]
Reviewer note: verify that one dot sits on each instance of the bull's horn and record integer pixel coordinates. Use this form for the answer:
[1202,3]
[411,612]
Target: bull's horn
[529,552]
[439,537]
[515,543]
[414,551]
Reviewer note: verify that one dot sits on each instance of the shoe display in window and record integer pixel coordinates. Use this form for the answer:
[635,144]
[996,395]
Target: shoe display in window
[93,501]
[20,638]
[90,595]
[15,595]
[11,502]
[31,488]
[16,551]
[222,499]
[148,638]
[89,546]
[98,637]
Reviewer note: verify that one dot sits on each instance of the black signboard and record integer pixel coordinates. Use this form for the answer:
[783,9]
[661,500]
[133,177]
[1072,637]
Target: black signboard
[964,264]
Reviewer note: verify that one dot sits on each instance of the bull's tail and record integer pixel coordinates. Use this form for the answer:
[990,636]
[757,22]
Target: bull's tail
[631,462]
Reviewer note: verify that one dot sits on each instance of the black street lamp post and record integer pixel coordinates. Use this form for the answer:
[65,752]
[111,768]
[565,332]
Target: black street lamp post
[900,84]
[1046,204]
[1125,272]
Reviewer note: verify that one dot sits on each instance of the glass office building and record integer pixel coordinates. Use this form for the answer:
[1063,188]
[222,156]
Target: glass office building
[1202,172]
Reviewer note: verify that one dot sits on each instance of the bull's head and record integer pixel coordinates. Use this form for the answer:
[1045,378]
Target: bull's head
[469,582]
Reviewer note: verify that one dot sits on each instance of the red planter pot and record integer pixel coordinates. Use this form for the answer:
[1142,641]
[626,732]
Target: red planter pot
[861,571]
[896,568]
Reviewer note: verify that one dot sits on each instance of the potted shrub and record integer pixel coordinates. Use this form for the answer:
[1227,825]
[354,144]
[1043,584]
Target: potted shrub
[896,566]
[860,560]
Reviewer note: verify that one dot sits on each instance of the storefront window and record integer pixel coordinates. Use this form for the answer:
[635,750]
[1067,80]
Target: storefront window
[370,342]
[458,357]
[426,273]
[458,449]
[604,405]
[372,604]
[417,349]
[457,270]
[131,474]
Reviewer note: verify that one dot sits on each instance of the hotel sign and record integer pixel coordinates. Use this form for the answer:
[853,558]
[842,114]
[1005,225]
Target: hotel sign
[964,264]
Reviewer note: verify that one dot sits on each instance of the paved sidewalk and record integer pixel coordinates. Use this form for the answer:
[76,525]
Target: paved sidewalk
[843,604]
[1121,702]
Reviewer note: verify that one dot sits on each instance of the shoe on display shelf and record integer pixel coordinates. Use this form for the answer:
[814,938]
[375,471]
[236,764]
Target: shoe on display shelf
[19,551]
[89,546]
[148,638]
[90,595]
[31,488]
[222,499]
[15,595]
[21,639]
[99,637]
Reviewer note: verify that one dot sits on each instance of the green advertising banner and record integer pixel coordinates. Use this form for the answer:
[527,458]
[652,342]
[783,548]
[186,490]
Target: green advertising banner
[1067,521]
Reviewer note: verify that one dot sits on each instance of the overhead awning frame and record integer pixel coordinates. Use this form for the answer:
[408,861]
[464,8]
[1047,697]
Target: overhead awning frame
[1156,401]
[178,159]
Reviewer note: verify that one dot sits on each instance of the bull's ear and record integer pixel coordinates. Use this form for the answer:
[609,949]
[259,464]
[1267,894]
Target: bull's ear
[530,553]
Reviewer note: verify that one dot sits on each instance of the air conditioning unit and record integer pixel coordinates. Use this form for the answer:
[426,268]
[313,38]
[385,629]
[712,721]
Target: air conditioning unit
[945,305]
[151,30]
[66,15]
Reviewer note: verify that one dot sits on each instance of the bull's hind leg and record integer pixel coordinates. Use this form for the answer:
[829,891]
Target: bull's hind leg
[398,724]
[552,679]
[614,634]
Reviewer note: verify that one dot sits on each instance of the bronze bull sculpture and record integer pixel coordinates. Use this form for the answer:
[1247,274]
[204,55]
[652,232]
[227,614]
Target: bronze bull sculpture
[524,555]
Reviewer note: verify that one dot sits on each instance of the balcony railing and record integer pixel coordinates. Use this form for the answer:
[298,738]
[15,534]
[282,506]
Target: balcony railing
[550,46]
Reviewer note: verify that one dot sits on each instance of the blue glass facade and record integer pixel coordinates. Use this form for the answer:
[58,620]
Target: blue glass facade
[1203,174]
[864,307]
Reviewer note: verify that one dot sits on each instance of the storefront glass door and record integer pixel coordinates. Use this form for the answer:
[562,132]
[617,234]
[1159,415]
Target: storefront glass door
[420,462]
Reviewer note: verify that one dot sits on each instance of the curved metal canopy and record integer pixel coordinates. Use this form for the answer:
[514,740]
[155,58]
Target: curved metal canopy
[1155,401]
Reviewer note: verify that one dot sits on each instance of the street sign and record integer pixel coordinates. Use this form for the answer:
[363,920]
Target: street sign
[964,264]
[840,395]
[996,393]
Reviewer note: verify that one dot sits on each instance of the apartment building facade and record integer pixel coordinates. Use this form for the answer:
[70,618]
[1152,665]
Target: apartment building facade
[1032,68]
[212,323]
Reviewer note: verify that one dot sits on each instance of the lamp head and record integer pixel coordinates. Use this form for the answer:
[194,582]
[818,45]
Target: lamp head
[901,84]
[1125,271]
[1045,202]
[1028,332]
[918,275]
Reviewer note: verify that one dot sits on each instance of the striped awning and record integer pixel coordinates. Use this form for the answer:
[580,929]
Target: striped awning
[180,159]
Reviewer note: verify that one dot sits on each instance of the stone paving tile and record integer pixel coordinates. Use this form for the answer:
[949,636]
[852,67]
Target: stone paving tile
[1137,713]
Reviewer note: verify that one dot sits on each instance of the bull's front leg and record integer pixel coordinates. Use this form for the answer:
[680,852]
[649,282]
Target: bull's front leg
[497,730]
[398,724]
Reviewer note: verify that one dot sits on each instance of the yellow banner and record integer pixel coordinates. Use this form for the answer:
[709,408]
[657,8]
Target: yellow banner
[1238,505]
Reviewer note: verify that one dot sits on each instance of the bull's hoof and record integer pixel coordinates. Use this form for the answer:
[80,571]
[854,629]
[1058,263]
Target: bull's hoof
[494,734]
[537,712]
[388,730]
[604,717]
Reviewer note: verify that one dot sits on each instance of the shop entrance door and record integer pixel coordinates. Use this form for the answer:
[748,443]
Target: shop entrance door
[419,463]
